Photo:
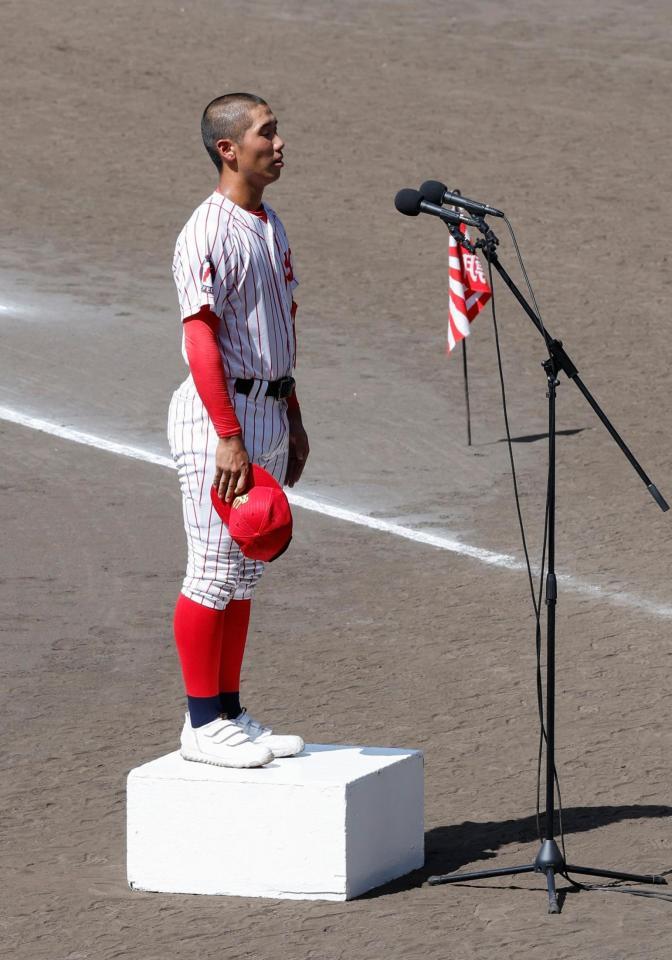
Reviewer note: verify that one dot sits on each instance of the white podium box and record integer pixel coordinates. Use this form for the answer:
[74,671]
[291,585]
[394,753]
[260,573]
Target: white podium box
[326,825]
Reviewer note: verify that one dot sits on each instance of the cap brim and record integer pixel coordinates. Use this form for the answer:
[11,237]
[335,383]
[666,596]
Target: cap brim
[280,551]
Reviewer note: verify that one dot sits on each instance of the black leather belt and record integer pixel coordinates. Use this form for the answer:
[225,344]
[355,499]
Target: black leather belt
[277,389]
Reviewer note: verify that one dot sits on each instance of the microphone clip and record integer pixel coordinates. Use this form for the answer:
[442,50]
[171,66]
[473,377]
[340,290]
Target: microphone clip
[488,243]
[460,238]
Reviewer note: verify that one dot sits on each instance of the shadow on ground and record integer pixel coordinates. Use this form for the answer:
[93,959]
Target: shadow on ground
[533,437]
[453,847]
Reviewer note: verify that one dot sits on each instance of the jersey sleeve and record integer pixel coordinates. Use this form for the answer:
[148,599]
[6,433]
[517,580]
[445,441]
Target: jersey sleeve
[195,265]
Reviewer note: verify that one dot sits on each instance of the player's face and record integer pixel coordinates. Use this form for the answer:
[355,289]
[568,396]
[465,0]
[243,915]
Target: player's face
[259,153]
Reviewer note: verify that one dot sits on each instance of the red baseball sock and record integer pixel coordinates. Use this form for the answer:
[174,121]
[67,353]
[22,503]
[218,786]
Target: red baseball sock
[234,635]
[198,632]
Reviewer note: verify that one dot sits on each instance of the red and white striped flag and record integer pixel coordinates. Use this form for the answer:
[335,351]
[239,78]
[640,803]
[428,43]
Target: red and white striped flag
[468,290]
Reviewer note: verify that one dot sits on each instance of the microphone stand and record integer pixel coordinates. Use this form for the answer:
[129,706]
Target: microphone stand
[549,859]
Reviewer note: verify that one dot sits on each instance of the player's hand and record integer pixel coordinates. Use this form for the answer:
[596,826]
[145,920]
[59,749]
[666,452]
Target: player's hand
[232,467]
[298,451]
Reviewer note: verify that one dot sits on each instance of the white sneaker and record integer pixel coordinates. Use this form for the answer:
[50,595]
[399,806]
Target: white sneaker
[222,743]
[282,746]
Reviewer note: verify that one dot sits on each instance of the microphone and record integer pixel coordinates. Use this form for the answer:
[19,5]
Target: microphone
[437,192]
[412,202]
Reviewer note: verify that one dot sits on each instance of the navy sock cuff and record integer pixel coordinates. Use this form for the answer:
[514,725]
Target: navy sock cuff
[203,709]
[229,703]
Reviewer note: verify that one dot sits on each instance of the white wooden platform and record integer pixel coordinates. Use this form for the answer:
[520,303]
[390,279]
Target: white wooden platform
[326,825]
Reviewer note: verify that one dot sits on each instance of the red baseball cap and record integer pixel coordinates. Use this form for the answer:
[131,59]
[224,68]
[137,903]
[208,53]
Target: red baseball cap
[259,520]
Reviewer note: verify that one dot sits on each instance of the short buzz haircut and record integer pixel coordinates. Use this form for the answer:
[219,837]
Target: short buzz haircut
[227,118]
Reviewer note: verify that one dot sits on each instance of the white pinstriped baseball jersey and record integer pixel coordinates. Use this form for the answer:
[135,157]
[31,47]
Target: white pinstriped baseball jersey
[239,265]
[232,261]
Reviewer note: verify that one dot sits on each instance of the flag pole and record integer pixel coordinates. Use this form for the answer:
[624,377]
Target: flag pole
[465,373]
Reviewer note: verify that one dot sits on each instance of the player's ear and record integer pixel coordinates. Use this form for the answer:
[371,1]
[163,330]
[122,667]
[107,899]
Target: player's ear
[226,149]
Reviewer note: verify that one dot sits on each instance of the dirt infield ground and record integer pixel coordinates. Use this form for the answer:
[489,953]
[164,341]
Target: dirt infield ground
[559,114]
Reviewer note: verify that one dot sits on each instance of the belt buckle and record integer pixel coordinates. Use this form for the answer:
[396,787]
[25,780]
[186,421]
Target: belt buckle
[285,387]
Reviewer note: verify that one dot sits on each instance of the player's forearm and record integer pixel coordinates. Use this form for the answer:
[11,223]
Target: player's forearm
[205,363]
[293,408]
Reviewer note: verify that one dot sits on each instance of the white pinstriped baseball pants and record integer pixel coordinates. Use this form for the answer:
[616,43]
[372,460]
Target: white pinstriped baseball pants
[217,571]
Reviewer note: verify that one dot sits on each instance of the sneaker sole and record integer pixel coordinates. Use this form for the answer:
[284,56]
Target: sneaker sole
[221,763]
[278,754]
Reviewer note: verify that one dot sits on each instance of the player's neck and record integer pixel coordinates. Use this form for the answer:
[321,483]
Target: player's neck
[243,194]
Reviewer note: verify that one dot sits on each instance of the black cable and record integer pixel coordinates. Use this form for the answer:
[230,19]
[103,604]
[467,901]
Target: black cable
[509,443]
[542,735]
[633,891]
[616,888]
[523,270]
[536,601]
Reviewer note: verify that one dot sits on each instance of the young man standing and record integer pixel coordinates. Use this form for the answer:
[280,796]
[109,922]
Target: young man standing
[235,281]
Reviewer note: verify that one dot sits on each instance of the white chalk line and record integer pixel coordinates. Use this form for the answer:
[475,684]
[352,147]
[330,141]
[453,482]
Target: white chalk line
[502,560]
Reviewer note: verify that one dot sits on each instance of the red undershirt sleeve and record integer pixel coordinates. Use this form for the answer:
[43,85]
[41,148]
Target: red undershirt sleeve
[205,363]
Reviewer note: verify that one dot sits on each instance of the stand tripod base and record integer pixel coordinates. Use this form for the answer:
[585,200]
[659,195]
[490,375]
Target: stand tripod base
[548,861]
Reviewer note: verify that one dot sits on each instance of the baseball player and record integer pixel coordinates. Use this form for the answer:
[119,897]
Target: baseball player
[235,282]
